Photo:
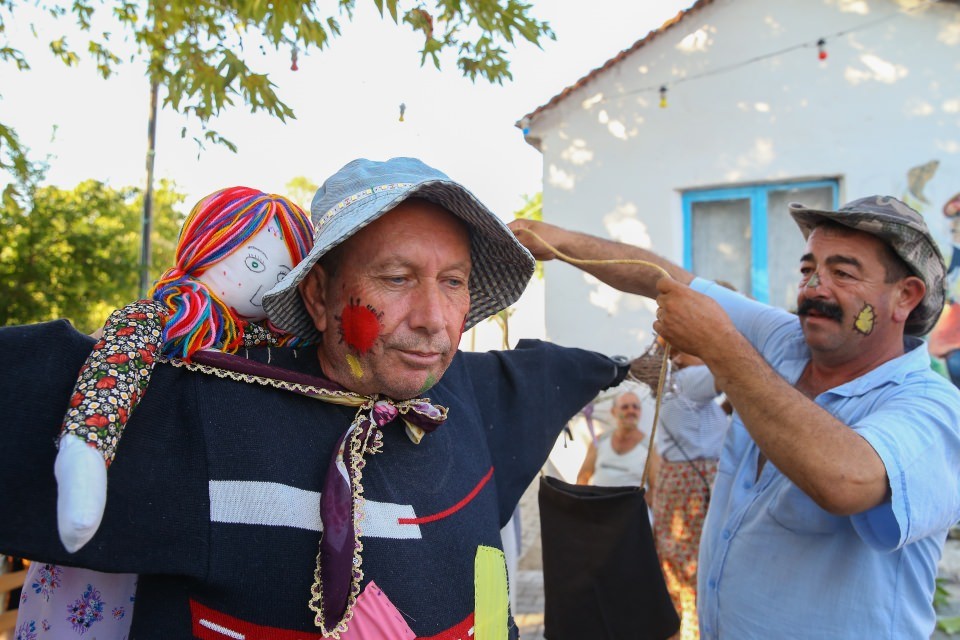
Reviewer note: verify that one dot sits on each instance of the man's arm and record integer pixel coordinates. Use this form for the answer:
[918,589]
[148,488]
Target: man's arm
[632,278]
[829,461]
[588,467]
[823,456]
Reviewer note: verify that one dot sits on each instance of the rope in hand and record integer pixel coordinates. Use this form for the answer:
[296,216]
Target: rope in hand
[666,348]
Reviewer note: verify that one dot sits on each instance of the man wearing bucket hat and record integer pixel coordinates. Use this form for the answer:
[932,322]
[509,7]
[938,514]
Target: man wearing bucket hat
[838,480]
[406,454]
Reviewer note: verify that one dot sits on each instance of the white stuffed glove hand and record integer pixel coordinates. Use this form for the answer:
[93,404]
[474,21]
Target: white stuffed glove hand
[81,491]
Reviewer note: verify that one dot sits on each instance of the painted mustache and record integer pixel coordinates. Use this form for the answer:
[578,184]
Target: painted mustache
[826,309]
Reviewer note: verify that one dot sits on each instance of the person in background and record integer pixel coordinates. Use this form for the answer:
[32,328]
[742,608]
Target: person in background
[617,457]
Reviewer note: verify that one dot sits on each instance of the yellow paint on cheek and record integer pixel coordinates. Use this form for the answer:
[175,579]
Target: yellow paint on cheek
[355,367]
[865,320]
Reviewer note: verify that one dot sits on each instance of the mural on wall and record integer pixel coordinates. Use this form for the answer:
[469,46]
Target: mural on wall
[917,179]
[944,340]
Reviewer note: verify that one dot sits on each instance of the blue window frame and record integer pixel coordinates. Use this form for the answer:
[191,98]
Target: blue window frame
[756,212]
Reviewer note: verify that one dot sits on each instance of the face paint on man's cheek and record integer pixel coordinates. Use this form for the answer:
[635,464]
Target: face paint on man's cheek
[865,320]
[359,326]
[354,365]
[427,384]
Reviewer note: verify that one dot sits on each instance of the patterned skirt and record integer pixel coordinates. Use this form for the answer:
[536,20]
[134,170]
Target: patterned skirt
[66,602]
[679,508]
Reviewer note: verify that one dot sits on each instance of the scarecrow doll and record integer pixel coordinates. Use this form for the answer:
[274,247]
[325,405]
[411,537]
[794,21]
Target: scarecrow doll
[235,245]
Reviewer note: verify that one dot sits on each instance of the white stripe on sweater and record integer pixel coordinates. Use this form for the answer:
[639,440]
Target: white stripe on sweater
[278,505]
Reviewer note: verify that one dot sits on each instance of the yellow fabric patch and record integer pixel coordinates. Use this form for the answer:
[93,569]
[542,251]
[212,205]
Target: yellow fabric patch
[491,599]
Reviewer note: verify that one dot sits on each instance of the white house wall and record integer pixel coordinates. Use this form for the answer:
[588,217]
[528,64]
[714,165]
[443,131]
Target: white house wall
[886,99]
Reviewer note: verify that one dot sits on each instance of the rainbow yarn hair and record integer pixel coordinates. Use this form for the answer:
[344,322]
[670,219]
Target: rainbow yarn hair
[218,225]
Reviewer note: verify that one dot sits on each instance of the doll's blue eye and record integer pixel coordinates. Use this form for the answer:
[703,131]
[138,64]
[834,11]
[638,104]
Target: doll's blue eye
[254,264]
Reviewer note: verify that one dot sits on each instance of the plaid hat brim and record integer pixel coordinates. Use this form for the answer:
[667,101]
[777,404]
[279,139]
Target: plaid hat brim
[906,232]
[501,266]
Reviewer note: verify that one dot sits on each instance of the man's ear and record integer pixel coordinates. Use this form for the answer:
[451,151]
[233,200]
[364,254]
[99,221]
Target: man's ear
[910,294]
[313,291]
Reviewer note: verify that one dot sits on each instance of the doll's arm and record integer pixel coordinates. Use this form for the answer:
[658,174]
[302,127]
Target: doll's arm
[111,383]
[257,335]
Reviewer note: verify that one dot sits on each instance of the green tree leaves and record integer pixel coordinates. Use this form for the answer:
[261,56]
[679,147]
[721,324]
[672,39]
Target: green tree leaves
[202,53]
[74,253]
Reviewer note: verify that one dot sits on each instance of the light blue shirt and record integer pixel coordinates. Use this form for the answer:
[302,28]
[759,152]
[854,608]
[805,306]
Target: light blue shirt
[773,564]
[692,424]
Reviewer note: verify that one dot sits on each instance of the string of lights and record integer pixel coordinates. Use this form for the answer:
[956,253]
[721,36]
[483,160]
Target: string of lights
[820,44]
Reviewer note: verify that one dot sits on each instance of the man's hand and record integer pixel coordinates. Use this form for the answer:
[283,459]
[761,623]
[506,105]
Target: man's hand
[692,322]
[522,228]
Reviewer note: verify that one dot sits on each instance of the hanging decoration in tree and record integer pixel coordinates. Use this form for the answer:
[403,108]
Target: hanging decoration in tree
[822,49]
[663,96]
[293,59]
[403,109]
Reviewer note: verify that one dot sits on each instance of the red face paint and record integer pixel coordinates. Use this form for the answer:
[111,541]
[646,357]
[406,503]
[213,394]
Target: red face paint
[359,326]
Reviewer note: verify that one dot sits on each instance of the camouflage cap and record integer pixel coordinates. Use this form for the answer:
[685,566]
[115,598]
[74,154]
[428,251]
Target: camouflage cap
[907,234]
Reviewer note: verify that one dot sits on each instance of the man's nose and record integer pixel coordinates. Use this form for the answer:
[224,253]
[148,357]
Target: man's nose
[427,308]
[813,287]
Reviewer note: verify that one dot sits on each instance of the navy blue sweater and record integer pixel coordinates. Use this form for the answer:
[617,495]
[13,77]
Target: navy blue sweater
[214,495]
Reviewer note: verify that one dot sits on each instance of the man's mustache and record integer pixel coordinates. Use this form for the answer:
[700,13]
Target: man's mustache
[824,308]
[439,345]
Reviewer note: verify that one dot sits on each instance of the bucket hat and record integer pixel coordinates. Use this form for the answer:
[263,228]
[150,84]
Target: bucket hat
[361,192]
[907,234]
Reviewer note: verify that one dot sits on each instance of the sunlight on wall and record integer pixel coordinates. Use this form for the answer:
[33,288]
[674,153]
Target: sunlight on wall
[616,128]
[950,146]
[761,155]
[916,107]
[603,296]
[592,100]
[759,107]
[622,224]
[854,6]
[775,27]
[560,179]
[699,40]
[877,69]
[951,106]
[950,34]
[577,153]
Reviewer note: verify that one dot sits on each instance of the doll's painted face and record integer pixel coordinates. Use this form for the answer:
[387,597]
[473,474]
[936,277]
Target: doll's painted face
[241,279]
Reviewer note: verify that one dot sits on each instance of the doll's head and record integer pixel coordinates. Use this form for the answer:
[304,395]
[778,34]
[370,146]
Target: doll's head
[234,246]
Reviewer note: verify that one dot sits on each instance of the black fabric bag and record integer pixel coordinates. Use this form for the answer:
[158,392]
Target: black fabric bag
[601,575]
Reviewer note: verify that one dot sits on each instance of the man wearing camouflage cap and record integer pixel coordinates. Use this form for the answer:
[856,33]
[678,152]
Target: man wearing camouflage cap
[838,480]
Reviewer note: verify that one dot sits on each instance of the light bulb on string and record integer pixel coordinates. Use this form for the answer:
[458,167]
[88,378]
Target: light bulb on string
[293,59]
[822,49]
[663,97]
